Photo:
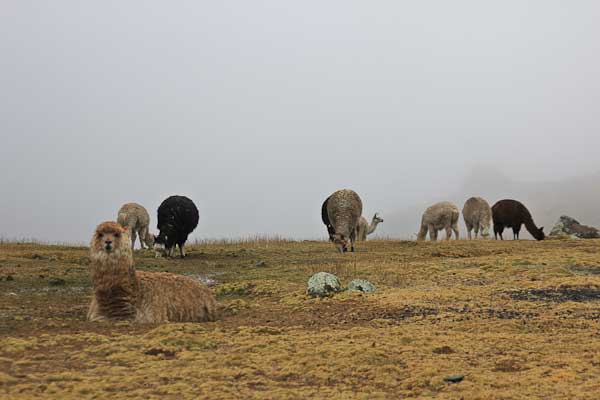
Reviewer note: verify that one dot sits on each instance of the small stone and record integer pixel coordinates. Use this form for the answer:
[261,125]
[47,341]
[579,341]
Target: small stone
[454,378]
[323,284]
[9,278]
[361,285]
[260,264]
[56,282]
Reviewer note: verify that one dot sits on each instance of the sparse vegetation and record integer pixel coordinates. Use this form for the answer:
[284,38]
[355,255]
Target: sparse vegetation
[517,319]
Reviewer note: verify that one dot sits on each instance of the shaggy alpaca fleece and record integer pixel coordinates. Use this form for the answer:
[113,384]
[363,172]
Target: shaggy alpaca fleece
[135,217]
[122,293]
[478,216]
[177,218]
[344,209]
[442,215]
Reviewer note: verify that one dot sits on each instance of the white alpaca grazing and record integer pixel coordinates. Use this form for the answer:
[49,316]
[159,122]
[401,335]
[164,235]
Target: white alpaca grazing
[443,215]
[477,215]
[136,218]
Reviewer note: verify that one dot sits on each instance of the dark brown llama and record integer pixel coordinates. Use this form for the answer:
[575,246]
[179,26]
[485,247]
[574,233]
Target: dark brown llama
[513,214]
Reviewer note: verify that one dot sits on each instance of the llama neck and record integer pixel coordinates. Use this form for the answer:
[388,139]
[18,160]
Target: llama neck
[530,226]
[372,226]
[116,288]
[115,270]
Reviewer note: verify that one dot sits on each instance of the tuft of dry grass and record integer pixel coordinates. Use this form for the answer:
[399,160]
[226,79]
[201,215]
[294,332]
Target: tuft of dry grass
[520,320]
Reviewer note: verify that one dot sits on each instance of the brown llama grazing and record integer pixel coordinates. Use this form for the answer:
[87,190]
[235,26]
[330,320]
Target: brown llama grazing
[513,214]
[122,293]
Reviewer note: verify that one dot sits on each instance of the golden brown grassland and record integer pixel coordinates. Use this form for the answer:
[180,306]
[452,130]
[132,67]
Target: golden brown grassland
[521,320]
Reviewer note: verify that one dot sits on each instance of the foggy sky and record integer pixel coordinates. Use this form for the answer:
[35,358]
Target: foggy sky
[259,110]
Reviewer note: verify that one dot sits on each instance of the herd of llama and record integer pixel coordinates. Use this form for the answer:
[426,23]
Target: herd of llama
[342,215]
[122,293]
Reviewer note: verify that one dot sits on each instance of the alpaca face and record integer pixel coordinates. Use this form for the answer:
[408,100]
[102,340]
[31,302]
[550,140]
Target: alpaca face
[110,240]
[377,219]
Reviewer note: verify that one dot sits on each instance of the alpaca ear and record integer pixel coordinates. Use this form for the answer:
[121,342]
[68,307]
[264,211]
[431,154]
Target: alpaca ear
[541,228]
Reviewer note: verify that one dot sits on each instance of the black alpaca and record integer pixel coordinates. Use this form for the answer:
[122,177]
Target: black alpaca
[513,214]
[325,218]
[177,218]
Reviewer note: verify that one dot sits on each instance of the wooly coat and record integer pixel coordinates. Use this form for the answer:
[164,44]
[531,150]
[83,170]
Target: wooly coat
[512,214]
[177,218]
[477,215]
[122,293]
[136,218]
[344,209]
[364,228]
[325,219]
[443,215]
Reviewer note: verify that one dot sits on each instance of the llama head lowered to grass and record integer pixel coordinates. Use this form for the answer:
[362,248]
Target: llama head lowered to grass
[513,214]
[344,208]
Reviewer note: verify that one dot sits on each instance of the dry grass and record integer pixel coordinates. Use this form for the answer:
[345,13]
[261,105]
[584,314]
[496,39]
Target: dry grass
[521,320]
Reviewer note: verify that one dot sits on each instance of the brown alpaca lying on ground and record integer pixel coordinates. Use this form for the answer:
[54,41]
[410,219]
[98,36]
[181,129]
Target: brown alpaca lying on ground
[122,293]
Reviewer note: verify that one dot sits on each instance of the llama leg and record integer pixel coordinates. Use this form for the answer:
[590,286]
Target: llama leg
[182,250]
[516,232]
[132,238]
[432,233]
[476,230]
[94,311]
[469,227]
[500,230]
[455,229]
[142,237]
[448,230]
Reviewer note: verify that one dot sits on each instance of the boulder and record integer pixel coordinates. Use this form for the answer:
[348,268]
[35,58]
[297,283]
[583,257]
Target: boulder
[323,284]
[361,285]
[567,226]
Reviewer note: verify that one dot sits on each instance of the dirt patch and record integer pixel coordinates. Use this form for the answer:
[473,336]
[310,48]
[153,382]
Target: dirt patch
[443,350]
[560,295]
